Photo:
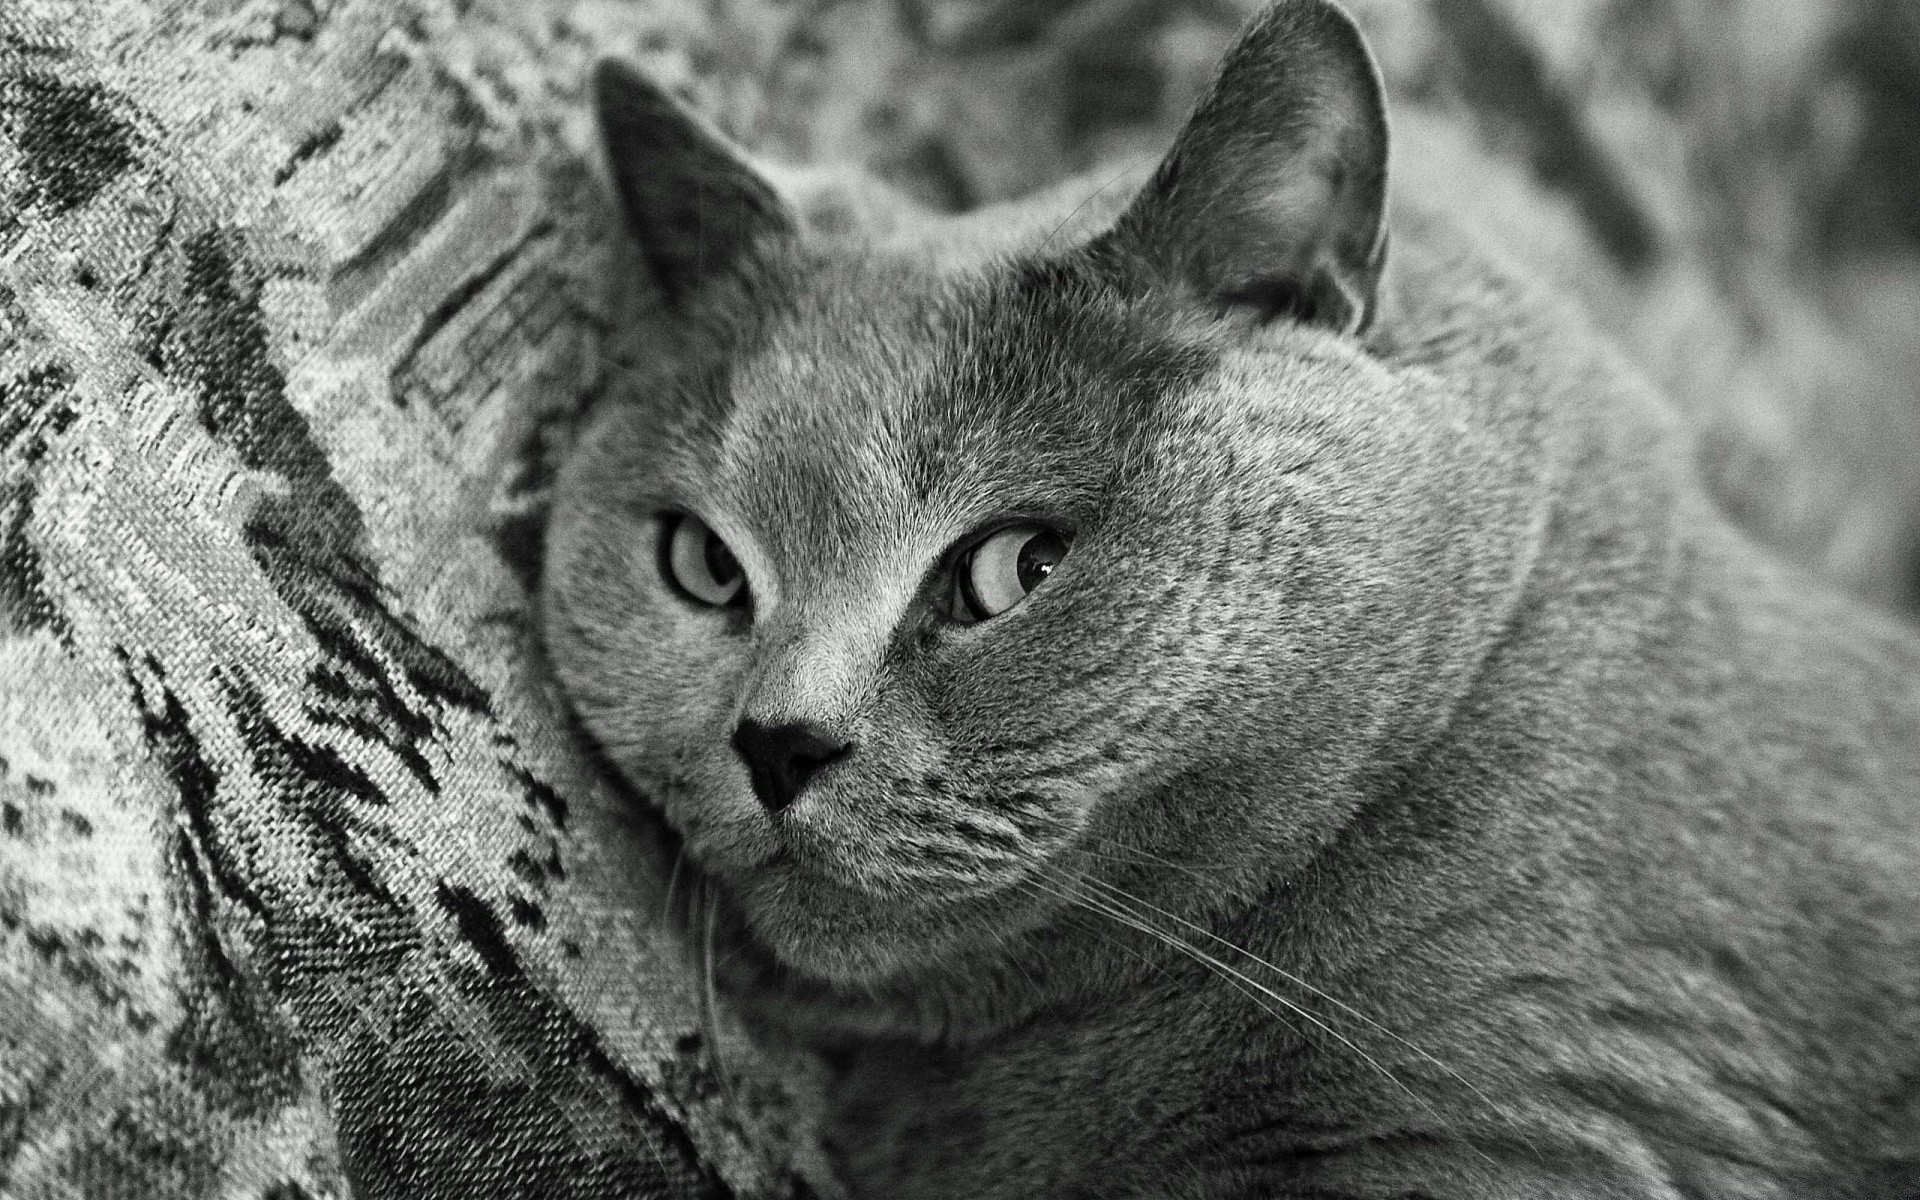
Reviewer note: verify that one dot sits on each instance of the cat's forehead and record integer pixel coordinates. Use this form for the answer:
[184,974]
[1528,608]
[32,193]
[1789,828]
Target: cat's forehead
[886,393]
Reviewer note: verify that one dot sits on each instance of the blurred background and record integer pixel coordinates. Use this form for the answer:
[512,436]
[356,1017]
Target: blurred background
[1732,187]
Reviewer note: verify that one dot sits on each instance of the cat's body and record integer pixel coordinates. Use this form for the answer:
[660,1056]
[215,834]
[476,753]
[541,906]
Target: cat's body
[1405,785]
[1640,923]
[1617,906]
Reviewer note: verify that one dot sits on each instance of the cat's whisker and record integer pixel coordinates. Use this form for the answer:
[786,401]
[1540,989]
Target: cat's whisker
[1091,928]
[709,994]
[1133,165]
[673,881]
[1197,874]
[1139,856]
[1115,907]
[1251,990]
[1006,945]
[1075,905]
[1260,993]
[1068,769]
[1120,895]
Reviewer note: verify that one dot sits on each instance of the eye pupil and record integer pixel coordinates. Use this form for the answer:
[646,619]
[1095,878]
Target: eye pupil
[721,563]
[1038,558]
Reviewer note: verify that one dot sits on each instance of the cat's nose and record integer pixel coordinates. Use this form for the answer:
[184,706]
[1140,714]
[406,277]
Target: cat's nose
[782,758]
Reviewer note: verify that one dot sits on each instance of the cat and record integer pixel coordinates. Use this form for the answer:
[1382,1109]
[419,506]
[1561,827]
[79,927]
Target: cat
[1181,702]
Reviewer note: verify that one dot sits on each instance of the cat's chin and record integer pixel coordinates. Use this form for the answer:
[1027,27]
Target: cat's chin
[821,931]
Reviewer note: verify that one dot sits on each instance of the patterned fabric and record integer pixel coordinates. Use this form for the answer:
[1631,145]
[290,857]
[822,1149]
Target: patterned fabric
[306,886]
[302,879]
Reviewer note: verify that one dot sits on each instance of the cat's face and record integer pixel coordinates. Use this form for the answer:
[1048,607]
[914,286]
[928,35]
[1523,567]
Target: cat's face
[1218,606]
[939,589]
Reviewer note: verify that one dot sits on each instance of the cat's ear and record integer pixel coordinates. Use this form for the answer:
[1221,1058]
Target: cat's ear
[1273,198]
[696,207]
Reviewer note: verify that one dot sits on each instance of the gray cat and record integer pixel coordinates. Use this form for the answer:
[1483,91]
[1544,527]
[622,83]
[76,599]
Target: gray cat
[1184,705]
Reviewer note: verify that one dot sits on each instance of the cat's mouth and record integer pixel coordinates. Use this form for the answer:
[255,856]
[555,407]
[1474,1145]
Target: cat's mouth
[868,877]
[838,921]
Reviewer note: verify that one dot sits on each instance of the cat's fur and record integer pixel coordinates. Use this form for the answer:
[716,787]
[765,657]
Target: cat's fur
[1407,785]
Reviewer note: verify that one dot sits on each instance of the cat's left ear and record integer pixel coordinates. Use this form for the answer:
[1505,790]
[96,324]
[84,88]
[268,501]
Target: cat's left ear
[697,208]
[1273,199]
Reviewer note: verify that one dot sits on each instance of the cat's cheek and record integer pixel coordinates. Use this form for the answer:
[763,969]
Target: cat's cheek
[722,826]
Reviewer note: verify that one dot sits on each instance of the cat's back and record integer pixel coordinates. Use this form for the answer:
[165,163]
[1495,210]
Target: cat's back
[1741,867]
[1714,757]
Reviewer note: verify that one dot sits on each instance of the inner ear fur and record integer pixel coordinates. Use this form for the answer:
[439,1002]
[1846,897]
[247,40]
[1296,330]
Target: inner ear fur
[1273,198]
[696,207]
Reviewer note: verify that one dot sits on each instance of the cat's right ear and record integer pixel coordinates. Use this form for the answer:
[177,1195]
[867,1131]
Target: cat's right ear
[697,209]
[1272,200]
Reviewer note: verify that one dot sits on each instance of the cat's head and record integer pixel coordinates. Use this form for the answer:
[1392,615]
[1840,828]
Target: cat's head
[926,587]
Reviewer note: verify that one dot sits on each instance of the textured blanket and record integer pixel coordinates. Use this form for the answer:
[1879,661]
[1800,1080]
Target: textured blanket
[307,889]
[301,880]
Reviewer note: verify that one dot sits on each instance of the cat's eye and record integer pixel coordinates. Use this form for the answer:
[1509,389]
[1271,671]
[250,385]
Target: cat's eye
[700,565]
[999,572]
